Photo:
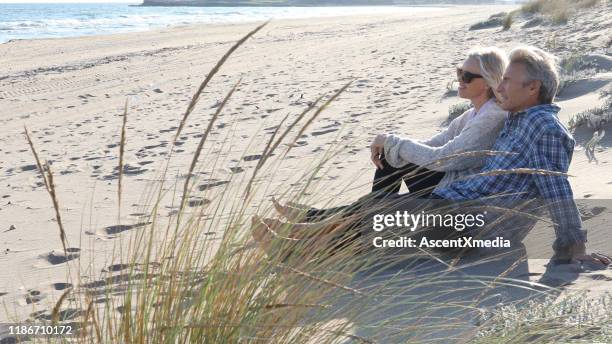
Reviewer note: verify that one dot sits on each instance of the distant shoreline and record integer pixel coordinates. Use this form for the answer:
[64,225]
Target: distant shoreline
[314,3]
[123,19]
[269,3]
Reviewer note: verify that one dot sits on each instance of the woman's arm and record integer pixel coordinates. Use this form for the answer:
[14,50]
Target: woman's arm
[478,135]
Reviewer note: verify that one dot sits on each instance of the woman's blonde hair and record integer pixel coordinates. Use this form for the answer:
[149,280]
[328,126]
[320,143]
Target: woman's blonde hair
[493,63]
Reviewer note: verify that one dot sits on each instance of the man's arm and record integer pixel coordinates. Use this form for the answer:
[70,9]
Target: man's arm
[551,154]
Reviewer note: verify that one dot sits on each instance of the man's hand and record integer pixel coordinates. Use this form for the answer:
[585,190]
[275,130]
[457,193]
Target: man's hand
[578,254]
[377,149]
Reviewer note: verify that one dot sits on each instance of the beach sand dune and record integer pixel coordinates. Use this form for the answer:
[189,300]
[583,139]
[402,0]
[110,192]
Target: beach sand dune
[71,92]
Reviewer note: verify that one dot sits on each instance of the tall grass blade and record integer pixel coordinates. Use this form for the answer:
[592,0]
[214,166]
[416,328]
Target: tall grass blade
[38,164]
[58,217]
[196,96]
[316,114]
[121,155]
[198,151]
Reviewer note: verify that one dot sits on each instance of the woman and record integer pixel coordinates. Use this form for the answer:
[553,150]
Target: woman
[421,165]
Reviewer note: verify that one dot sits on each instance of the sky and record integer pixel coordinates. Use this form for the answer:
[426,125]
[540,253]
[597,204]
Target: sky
[73,1]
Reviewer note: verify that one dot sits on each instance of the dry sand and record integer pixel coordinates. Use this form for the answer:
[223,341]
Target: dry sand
[70,93]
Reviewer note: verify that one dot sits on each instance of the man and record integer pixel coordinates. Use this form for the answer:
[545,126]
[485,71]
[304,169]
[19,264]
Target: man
[541,142]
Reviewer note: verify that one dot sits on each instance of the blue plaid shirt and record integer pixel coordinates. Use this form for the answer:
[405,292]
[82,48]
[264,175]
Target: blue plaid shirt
[541,142]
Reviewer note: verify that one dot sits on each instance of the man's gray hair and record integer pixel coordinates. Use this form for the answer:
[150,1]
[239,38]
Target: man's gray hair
[492,62]
[540,66]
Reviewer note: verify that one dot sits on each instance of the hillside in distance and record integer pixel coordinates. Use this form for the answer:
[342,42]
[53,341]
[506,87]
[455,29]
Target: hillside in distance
[230,3]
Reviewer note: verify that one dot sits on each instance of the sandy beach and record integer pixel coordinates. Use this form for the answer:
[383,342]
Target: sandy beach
[70,94]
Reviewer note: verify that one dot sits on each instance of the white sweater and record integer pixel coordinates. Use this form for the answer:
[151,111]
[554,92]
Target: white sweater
[469,132]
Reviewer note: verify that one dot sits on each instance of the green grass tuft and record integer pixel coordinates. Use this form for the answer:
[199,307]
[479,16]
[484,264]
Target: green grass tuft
[508,20]
[456,110]
[559,11]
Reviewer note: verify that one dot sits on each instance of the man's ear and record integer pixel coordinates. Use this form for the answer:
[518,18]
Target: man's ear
[534,87]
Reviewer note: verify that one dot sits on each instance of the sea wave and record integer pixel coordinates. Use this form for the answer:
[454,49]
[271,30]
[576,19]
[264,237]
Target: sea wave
[28,21]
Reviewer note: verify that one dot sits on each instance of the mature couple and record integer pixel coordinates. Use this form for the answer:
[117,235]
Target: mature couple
[513,118]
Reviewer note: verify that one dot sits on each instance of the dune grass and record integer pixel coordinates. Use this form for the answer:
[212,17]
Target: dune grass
[572,319]
[536,12]
[47,176]
[559,11]
[493,21]
[456,110]
[451,89]
[595,118]
[574,67]
[176,284]
[508,20]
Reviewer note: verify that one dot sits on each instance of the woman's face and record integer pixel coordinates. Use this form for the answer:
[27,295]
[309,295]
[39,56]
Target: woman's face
[477,86]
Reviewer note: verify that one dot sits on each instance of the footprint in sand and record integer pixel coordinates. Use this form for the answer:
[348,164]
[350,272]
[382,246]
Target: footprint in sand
[128,170]
[28,168]
[171,129]
[116,267]
[601,277]
[322,132]
[197,201]
[252,157]
[211,184]
[33,296]
[116,229]
[58,256]
[114,279]
[61,285]
[63,315]
[586,214]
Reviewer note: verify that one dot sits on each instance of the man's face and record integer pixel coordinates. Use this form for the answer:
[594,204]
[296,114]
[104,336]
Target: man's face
[516,93]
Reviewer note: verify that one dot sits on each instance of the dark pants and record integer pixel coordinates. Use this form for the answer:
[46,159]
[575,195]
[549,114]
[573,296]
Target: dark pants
[357,221]
[386,184]
[419,181]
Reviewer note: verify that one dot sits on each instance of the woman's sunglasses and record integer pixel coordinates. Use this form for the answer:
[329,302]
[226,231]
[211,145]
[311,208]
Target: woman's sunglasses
[466,76]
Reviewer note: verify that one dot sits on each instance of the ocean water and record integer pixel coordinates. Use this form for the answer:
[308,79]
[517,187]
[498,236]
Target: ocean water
[31,21]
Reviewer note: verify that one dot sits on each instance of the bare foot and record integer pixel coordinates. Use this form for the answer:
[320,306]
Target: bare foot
[299,205]
[291,213]
[264,231]
[259,230]
[280,239]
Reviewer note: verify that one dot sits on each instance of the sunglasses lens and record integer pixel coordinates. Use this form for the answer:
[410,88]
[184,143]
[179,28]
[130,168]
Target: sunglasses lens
[466,77]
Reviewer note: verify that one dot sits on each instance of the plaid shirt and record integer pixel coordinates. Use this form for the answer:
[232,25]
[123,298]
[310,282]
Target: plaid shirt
[541,142]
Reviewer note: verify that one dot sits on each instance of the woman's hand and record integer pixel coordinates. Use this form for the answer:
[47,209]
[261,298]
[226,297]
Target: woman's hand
[377,149]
